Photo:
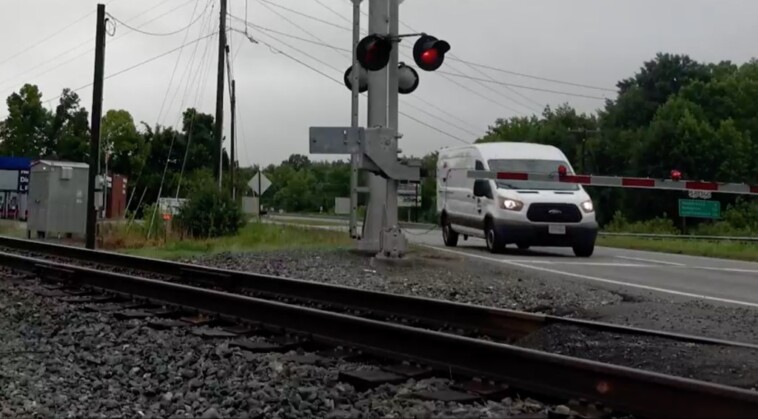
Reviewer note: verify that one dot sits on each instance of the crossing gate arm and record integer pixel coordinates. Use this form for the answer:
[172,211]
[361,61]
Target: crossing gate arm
[620,182]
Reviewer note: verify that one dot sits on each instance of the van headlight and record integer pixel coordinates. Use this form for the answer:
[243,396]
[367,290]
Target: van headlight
[511,204]
[587,206]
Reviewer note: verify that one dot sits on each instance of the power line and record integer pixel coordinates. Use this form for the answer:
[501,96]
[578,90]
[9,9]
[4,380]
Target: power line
[321,43]
[339,15]
[538,89]
[176,64]
[51,36]
[337,70]
[288,35]
[307,32]
[149,60]
[279,51]
[306,15]
[502,70]
[88,51]
[165,33]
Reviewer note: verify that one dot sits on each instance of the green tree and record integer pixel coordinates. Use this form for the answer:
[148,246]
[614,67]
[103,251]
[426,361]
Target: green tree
[69,136]
[125,145]
[25,130]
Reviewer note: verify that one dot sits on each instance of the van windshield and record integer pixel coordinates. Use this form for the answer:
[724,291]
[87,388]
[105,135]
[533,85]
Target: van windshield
[530,166]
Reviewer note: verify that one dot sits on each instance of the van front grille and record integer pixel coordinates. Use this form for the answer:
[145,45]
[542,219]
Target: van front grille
[554,213]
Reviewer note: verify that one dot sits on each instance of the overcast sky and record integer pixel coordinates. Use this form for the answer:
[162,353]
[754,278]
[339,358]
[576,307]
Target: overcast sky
[591,42]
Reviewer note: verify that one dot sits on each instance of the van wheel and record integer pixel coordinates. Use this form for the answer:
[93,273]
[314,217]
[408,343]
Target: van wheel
[584,250]
[495,243]
[449,236]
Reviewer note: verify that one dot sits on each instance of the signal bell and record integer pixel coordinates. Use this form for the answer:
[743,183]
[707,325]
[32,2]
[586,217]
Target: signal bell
[407,79]
[362,79]
[429,52]
[373,52]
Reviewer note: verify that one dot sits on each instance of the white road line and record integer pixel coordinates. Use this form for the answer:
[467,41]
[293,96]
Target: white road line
[740,270]
[662,262]
[560,262]
[594,278]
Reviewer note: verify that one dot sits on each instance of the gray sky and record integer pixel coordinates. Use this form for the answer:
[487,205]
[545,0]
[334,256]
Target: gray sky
[593,42]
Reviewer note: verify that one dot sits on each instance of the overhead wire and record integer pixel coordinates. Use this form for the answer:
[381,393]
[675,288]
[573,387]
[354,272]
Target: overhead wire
[179,57]
[520,86]
[51,36]
[88,51]
[164,33]
[302,29]
[306,15]
[408,104]
[140,64]
[312,68]
[474,92]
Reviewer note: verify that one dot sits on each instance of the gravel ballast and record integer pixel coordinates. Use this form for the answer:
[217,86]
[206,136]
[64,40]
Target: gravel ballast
[430,274]
[59,360]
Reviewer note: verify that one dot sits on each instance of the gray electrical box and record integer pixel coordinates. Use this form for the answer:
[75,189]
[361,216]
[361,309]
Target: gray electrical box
[57,199]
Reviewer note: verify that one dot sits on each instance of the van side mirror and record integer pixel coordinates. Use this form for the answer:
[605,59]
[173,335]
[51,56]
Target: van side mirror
[481,188]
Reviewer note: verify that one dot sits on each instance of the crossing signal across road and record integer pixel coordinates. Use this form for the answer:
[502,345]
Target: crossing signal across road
[373,54]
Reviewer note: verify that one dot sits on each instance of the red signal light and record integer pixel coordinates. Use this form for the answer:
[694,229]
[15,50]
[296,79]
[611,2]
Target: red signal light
[676,175]
[373,52]
[429,52]
[562,170]
[430,56]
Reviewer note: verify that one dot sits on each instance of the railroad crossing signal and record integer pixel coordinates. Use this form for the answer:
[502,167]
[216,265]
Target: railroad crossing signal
[373,54]
[429,52]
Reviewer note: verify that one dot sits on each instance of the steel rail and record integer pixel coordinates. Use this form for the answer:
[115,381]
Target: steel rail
[642,393]
[497,323]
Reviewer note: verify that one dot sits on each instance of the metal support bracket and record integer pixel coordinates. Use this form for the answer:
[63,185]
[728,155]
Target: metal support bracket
[376,150]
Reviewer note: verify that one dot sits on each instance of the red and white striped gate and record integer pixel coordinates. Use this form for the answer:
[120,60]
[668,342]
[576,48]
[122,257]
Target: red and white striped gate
[621,182]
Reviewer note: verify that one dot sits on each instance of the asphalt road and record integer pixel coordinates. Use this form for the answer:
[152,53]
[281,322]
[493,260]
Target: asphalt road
[719,280]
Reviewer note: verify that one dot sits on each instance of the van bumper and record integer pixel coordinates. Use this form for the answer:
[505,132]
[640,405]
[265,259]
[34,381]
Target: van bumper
[539,234]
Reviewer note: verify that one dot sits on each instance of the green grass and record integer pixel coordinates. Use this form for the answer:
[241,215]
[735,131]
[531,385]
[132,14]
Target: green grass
[716,249]
[12,228]
[252,237]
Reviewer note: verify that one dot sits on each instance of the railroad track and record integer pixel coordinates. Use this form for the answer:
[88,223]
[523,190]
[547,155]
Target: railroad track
[638,392]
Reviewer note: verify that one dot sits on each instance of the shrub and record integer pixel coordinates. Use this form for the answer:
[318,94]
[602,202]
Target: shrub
[209,212]
[620,224]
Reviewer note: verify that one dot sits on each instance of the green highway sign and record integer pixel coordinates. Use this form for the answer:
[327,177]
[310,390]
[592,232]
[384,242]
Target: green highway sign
[698,208]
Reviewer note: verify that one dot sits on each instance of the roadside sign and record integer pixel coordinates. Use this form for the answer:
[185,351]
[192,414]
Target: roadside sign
[408,195]
[699,209]
[264,183]
[700,194]
[170,205]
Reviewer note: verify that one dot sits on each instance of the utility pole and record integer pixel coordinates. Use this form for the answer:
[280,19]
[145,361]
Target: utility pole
[232,168]
[354,119]
[219,128]
[378,23]
[97,113]
[584,134]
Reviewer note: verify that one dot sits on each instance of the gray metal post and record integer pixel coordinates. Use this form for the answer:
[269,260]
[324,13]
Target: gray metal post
[377,116]
[392,111]
[354,120]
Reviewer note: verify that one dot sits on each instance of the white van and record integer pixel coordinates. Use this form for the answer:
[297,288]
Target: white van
[527,213]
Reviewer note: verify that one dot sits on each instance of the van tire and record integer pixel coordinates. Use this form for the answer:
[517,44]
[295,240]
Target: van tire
[584,250]
[495,243]
[449,236]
